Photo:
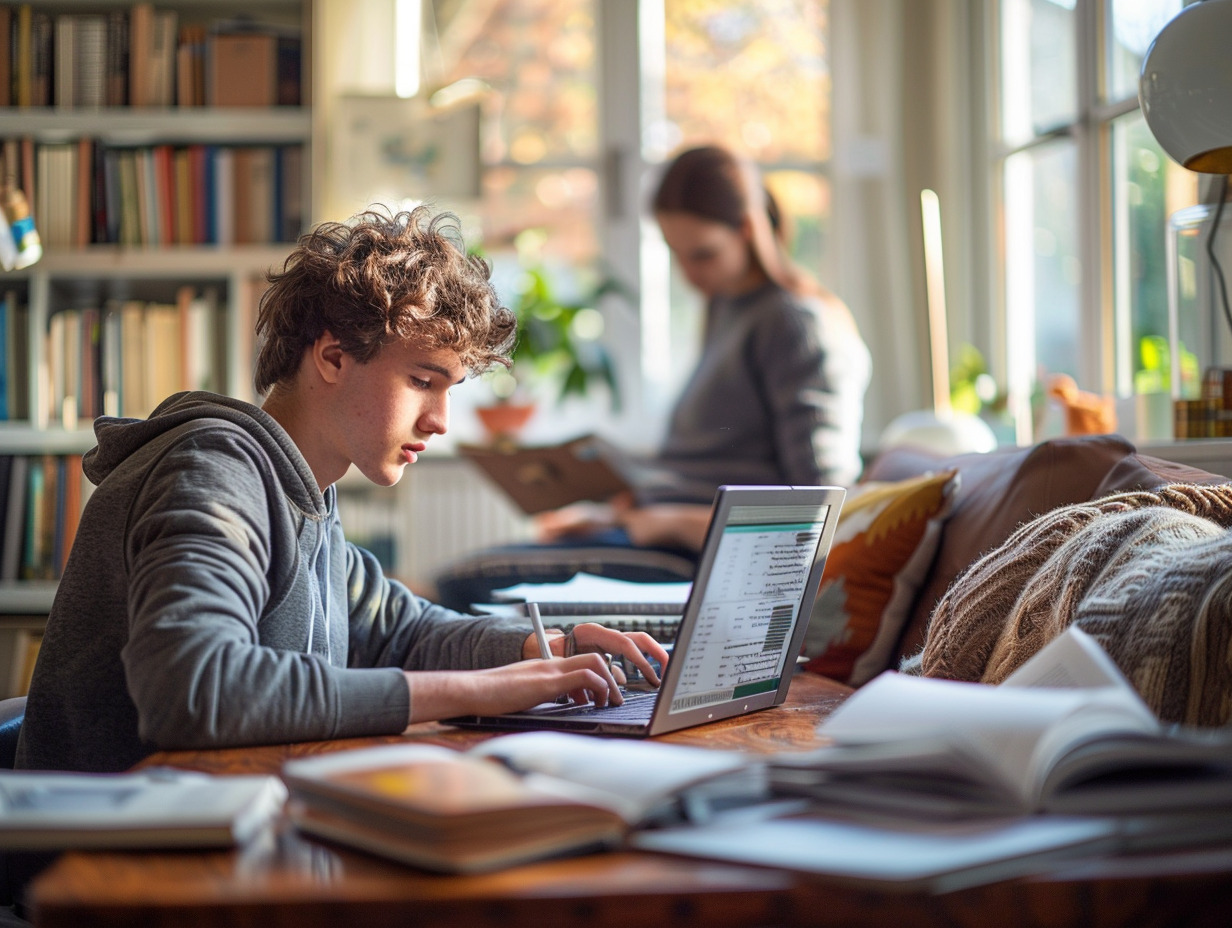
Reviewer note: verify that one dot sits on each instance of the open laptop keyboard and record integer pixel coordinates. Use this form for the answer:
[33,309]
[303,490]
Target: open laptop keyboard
[637,707]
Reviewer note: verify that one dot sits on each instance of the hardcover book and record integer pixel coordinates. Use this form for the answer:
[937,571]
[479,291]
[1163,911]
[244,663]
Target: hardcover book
[547,477]
[508,800]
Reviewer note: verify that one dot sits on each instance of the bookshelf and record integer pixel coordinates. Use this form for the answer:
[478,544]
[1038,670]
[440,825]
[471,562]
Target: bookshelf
[150,247]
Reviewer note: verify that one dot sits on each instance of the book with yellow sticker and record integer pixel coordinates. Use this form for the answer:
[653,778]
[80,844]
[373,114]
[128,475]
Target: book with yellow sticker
[508,800]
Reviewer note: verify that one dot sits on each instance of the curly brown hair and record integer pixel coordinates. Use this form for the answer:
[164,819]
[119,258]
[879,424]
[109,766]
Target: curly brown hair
[377,279]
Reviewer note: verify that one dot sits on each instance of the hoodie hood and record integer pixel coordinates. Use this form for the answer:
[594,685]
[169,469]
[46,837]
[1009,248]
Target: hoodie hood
[118,439]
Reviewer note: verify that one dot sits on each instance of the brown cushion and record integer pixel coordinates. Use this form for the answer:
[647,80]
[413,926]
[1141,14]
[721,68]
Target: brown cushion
[1142,472]
[1007,487]
[999,491]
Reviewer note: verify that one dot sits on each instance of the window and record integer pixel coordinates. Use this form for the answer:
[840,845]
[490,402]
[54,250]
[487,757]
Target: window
[1085,198]
[752,74]
[539,130]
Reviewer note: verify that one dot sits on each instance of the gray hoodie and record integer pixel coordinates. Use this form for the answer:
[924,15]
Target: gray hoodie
[210,600]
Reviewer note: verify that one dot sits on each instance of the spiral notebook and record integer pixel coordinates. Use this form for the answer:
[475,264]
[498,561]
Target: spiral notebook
[590,594]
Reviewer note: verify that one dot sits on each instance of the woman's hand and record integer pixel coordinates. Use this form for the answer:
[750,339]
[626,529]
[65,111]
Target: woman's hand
[572,521]
[659,525]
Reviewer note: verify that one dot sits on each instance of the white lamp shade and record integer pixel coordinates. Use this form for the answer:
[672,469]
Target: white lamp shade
[1186,87]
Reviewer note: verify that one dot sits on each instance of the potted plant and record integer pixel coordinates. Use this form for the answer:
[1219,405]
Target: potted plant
[559,353]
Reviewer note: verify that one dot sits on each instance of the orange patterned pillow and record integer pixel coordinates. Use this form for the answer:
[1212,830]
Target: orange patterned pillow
[887,537]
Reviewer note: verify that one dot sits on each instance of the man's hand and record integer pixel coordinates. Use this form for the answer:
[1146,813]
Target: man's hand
[585,675]
[440,694]
[633,646]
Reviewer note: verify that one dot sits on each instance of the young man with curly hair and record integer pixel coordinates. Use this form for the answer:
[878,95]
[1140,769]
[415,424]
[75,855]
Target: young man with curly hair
[211,599]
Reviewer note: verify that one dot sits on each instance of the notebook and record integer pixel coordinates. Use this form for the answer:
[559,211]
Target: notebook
[742,625]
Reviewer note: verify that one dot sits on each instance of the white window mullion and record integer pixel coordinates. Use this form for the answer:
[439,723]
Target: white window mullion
[1097,356]
[623,66]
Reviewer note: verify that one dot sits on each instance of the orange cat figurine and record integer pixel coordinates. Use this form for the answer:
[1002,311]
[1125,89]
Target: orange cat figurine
[1085,413]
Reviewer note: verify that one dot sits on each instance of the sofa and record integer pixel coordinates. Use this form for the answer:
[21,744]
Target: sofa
[962,567]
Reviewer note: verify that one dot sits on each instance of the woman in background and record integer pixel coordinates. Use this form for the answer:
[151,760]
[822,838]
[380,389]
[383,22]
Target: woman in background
[777,396]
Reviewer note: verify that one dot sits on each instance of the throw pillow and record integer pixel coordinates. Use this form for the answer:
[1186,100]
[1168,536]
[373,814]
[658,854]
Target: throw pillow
[1145,573]
[886,540]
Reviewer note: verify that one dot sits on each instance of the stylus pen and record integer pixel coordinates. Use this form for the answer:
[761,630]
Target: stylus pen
[545,650]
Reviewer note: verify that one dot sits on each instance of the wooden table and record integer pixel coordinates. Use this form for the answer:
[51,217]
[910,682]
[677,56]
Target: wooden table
[286,879]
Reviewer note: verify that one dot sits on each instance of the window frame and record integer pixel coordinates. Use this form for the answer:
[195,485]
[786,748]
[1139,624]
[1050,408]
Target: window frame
[630,46]
[1105,355]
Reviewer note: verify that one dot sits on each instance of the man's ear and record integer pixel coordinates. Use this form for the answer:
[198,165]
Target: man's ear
[327,357]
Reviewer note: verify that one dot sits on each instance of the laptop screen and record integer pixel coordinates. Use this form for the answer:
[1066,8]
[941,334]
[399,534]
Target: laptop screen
[738,646]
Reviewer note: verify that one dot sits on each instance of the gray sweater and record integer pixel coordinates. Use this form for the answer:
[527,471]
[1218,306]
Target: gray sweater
[210,600]
[776,398]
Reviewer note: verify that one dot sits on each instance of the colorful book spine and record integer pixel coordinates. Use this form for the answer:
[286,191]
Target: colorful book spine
[142,56]
[41,499]
[94,193]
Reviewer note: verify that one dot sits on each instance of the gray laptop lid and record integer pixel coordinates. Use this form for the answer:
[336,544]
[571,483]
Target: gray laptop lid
[743,624]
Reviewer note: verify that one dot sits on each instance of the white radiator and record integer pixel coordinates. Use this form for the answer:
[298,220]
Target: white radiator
[446,509]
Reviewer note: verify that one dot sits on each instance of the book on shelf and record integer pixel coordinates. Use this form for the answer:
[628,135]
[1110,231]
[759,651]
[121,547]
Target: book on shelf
[80,52]
[511,799]
[190,66]
[95,193]
[6,54]
[6,353]
[133,394]
[589,594]
[241,68]
[142,57]
[8,496]
[1066,733]
[40,58]
[116,65]
[83,208]
[542,477]
[43,496]
[36,553]
[65,60]
[20,639]
[161,70]
[163,335]
[290,68]
[26,645]
[140,53]
[16,358]
[12,533]
[126,357]
[158,808]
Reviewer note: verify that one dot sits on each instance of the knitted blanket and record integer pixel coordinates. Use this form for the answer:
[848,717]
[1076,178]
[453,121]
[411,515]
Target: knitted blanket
[1148,574]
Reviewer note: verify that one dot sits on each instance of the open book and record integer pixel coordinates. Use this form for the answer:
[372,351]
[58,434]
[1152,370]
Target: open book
[1065,733]
[511,799]
[154,808]
[539,478]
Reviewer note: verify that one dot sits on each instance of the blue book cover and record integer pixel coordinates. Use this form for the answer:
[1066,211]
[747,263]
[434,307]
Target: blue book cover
[35,503]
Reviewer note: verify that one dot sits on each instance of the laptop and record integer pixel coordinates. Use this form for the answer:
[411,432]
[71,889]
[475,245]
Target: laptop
[742,625]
